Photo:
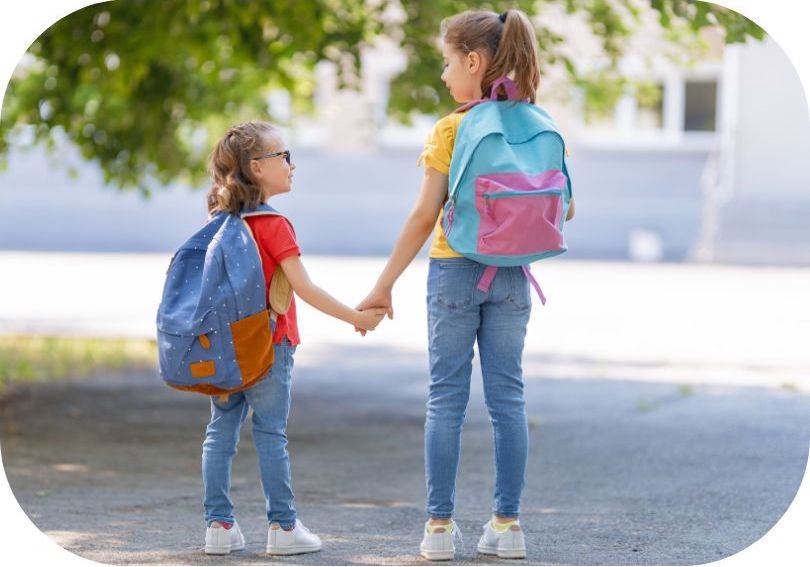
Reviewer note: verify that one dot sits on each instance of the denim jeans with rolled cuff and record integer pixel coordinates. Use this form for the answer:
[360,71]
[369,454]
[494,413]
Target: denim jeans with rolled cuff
[270,401]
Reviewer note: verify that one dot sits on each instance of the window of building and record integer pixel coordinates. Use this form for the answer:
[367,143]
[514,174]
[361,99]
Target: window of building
[700,106]
[665,108]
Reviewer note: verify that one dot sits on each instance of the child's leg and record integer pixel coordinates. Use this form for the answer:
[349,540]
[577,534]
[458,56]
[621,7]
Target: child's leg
[219,448]
[504,317]
[453,318]
[270,400]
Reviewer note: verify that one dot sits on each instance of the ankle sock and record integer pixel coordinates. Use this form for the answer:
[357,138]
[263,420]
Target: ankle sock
[439,528]
[501,527]
[225,525]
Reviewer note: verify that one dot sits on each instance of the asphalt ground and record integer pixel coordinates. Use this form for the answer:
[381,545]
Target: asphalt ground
[668,407]
[620,472]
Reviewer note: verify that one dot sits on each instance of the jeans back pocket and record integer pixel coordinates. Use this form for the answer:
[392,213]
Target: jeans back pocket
[455,281]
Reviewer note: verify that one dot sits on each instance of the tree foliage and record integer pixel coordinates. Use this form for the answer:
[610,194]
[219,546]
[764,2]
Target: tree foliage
[142,88]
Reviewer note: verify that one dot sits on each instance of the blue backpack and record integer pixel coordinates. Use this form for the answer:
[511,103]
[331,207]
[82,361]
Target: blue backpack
[509,189]
[213,323]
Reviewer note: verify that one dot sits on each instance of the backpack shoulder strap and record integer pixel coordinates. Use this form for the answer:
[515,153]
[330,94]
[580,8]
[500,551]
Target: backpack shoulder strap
[279,296]
[262,209]
[469,105]
[482,121]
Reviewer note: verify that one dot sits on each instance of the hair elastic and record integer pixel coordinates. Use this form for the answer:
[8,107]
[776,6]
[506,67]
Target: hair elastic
[502,17]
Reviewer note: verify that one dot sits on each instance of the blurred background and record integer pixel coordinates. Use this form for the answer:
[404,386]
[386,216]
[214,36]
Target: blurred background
[686,124]
[684,147]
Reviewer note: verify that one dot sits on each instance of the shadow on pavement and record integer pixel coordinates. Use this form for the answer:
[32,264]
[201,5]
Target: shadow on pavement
[620,472]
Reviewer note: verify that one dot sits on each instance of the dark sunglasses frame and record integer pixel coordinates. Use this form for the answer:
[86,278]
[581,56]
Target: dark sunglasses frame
[285,153]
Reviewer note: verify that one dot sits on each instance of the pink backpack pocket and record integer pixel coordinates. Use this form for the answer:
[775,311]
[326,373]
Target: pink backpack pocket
[520,214]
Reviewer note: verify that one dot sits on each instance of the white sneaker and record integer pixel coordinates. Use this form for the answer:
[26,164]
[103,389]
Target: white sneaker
[437,544]
[297,540]
[509,544]
[220,541]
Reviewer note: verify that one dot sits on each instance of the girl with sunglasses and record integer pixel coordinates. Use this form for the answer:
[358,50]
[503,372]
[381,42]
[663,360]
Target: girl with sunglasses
[250,165]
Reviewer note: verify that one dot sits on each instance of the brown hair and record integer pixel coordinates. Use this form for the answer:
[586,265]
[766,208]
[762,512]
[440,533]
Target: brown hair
[509,44]
[233,186]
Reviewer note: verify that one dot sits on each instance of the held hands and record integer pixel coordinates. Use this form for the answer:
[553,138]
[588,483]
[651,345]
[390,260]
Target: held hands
[367,320]
[379,302]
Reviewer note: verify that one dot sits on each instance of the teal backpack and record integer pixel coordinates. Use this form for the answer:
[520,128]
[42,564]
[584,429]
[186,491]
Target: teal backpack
[213,325]
[509,189]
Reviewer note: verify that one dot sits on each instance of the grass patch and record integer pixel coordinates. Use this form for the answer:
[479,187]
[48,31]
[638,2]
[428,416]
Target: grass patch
[686,390]
[40,359]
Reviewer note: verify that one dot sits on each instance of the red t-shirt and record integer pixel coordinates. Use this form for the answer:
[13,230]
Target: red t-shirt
[276,240]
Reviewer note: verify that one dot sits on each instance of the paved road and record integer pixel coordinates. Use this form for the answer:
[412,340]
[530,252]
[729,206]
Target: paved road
[621,472]
[668,406]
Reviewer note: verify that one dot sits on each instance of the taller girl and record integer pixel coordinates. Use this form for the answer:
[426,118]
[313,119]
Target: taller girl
[479,48]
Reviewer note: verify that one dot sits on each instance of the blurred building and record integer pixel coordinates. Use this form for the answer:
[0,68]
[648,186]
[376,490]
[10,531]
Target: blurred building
[705,164]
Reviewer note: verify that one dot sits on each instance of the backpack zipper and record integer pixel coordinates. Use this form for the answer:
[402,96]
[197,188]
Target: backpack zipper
[502,194]
[450,220]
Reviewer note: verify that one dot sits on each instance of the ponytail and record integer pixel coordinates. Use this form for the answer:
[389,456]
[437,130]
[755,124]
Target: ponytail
[508,41]
[516,53]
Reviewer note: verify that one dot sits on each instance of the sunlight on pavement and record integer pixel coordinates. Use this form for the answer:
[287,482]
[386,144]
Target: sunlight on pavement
[664,322]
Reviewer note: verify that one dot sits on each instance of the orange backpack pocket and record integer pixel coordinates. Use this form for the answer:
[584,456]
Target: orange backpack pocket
[253,345]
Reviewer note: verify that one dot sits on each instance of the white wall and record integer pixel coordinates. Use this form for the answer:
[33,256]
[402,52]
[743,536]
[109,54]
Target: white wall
[772,137]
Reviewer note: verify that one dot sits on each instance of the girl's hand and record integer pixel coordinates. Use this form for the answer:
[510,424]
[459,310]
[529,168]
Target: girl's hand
[378,298]
[369,319]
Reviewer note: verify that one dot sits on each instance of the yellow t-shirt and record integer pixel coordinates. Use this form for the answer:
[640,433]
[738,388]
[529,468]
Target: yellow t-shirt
[437,154]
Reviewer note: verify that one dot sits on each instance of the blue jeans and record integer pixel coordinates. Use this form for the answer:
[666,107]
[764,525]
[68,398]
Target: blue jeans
[458,315]
[270,400]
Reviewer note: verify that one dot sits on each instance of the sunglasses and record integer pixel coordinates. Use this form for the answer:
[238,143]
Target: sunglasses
[285,153]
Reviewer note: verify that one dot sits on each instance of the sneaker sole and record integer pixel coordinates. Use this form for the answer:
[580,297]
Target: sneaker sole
[504,553]
[438,555]
[487,550]
[512,554]
[293,550]
[219,550]
[223,550]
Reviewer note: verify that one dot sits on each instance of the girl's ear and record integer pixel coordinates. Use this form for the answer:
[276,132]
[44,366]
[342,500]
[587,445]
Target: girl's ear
[254,167]
[474,62]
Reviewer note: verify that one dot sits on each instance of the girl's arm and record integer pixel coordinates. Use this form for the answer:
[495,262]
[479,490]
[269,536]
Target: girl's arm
[417,228]
[322,301]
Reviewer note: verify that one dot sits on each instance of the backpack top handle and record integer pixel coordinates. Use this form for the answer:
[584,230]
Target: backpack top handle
[509,87]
